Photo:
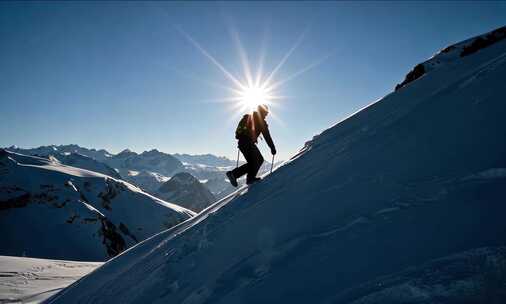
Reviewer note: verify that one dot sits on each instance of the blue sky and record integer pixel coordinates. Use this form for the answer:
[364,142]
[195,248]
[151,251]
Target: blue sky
[118,75]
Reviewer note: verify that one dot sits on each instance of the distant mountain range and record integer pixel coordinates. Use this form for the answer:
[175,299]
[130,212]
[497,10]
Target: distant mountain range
[148,170]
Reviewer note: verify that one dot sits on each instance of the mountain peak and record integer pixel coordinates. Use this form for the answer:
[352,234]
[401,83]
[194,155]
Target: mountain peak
[125,153]
[181,178]
[152,152]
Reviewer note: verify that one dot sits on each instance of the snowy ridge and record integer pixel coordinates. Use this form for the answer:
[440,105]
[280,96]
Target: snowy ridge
[71,155]
[453,53]
[381,191]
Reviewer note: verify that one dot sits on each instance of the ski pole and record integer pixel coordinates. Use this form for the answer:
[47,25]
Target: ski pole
[272,164]
[237,163]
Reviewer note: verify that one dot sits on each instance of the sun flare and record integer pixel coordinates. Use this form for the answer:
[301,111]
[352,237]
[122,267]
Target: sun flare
[251,97]
[255,88]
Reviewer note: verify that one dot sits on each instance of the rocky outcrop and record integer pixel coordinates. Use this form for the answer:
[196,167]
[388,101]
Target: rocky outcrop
[413,75]
[484,41]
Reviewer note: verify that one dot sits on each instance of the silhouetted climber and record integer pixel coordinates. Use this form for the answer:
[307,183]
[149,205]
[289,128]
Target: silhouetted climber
[247,132]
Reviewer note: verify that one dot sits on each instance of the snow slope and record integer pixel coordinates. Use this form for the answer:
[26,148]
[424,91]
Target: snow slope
[415,176]
[51,210]
[28,280]
[474,276]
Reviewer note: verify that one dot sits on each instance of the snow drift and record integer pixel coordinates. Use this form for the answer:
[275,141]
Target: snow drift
[416,176]
[50,210]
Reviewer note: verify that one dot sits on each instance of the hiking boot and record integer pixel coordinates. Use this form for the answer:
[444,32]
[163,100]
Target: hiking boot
[253,180]
[232,178]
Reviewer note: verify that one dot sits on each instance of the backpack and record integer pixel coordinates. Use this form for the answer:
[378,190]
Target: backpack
[242,127]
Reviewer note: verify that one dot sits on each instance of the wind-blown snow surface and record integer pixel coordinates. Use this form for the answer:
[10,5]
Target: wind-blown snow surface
[50,210]
[400,183]
[474,276]
[28,280]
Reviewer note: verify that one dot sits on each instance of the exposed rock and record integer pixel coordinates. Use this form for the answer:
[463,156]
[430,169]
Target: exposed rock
[414,74]
[484,41]
[113,241]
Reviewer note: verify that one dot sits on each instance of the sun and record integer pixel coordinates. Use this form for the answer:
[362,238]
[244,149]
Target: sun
[254,87]
[251,97]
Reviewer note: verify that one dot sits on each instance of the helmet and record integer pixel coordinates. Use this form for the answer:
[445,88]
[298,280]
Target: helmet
[263,109]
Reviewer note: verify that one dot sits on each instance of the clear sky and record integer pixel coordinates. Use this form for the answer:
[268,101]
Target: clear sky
[118,75]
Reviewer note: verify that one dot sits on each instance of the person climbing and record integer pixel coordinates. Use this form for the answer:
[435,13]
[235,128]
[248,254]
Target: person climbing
[247,132]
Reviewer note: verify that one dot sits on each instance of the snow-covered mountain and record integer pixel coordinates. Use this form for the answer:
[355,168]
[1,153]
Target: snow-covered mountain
[147,170]
[85,162]
[150,161]
[44,151]
[148,181]
[70,155]
[185,190]
[416,176]
[50,210]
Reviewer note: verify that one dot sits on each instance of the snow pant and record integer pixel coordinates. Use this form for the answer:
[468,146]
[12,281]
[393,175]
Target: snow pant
[253,158]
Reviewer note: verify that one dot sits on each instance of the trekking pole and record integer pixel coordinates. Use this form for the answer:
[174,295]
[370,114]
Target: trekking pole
[272,164]
[237,163]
